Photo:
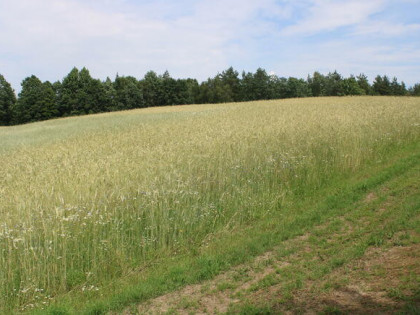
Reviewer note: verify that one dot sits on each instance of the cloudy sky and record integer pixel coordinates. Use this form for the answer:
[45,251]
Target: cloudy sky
[198,38]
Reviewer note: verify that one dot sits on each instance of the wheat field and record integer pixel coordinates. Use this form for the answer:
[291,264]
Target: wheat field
[85,200]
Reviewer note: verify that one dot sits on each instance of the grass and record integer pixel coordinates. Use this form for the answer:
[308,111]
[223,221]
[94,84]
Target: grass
[330,261]
[94,208]
[329,257]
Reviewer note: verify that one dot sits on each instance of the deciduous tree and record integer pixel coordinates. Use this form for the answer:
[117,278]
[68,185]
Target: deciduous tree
[36,101]
[7,101]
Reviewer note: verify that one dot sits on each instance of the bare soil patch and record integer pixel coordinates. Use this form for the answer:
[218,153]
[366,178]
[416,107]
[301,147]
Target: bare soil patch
[379,283]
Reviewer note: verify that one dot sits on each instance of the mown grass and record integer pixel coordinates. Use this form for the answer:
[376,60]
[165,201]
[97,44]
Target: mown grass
[86,201]
[329,259]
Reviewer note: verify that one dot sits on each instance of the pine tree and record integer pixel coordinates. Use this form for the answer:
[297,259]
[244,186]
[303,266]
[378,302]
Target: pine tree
[363,82]
[333,84]
[382,85]
[398,88]
[415,90]
[261,83]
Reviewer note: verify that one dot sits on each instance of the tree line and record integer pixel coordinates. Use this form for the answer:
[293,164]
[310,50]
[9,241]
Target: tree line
[79,94]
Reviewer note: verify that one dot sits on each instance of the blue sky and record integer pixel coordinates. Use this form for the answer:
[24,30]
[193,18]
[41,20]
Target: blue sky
[201,38]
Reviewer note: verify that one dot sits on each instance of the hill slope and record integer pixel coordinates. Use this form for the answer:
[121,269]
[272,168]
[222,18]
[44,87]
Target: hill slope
[117,208]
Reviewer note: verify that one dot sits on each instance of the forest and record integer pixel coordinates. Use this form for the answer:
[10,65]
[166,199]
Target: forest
[79,93]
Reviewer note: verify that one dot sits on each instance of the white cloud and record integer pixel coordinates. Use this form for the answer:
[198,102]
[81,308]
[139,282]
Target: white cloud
[385,28]
[328,15]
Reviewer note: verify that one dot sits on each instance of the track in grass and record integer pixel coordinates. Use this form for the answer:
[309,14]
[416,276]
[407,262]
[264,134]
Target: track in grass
[321,271]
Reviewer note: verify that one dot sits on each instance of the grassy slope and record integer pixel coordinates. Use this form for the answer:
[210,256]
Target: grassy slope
[364,258]
[201,188]
[343,266]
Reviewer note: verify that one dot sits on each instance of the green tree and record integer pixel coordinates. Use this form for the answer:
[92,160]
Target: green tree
[110,95]
[415,90]
[67,94]
[398,88]
[128,93]
[7,101]
[256,86]
[83,94]
[363,82]
[36,101]
[333,84]
[382,85]
[247,88]
[297,88]
[152,89]
[232,85]
[317,84]
[214,91]
[170,90]
[262,85]
[351,87]
[48,102]
[57,88]
[97,98]
[80,94]
[90,95]
[189,90]
[279,87]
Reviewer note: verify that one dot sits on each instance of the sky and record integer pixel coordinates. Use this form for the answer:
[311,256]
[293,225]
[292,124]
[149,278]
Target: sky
[200,38]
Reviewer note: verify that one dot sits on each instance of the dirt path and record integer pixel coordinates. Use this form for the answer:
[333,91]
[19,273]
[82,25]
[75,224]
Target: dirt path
[378,283]
[217,295]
